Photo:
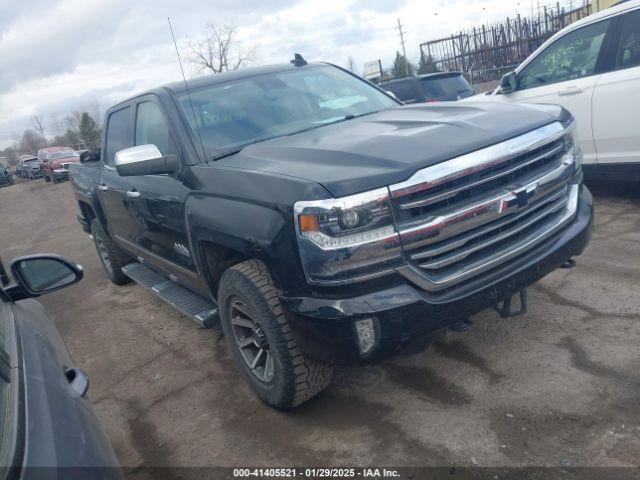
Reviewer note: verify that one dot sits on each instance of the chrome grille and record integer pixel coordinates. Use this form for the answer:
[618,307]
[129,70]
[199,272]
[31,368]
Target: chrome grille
[465,216]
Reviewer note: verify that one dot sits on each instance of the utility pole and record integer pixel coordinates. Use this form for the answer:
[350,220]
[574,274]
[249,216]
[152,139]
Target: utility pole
[404,51]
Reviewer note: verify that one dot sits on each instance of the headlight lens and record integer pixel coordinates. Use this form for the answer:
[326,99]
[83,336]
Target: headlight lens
[347,239]
[572,153]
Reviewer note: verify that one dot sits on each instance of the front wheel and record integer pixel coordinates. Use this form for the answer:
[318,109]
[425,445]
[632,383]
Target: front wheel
[111,257]
[262,341]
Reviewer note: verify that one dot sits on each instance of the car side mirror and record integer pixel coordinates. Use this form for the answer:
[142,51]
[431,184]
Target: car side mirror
[390,93]
[144,160]
[40,274]
[508,82]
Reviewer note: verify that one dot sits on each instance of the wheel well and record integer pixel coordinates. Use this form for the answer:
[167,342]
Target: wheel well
[217,259]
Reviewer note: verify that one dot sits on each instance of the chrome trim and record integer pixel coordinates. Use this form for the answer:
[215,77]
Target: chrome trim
[434,284]
[484,211]
[517,228]
[451,193]
[479,160]
[139,153]
[439,250]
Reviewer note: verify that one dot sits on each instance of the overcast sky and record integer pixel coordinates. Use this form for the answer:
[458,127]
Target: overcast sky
[60,55]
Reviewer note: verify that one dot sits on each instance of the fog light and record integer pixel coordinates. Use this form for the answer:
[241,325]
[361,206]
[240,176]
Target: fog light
[366,333]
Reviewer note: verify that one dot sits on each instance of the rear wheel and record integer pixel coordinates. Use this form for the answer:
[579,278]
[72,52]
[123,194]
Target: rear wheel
[112,258]
[262,341]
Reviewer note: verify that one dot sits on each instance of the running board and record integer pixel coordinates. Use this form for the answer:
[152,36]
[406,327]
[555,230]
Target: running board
[203,311]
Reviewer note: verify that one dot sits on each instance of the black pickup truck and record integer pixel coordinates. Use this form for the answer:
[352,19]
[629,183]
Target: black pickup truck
[324,223]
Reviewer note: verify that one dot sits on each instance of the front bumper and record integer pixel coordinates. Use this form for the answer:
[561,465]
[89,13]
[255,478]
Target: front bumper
[407,317]
[60,174]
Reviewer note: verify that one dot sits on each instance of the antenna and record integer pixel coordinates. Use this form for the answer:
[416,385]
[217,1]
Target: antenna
[186,86]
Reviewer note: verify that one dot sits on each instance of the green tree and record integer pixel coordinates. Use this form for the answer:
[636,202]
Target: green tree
[427,64]
[88,130]
[402,67]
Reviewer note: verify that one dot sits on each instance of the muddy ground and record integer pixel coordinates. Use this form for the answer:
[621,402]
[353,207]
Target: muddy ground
[557,386]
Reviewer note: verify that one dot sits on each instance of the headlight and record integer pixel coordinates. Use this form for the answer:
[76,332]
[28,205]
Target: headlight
[347,239]
[572,154]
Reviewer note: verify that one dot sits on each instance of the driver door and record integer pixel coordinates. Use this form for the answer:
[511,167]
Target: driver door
[566,73]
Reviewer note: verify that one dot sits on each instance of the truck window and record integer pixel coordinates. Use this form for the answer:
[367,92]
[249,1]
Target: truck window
[118,134]
[151,128]
[570,57]
[403,90]
[628,54]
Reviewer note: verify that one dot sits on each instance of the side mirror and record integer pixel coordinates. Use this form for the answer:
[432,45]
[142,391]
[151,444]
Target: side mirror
[40,274]
[390,93]
[144,160]
[508,83]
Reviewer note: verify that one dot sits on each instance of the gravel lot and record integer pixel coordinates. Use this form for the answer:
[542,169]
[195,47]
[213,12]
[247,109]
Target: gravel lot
[558,386]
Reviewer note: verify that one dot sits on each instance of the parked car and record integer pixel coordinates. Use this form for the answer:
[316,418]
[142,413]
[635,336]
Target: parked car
[6,178]
[29,167]
[592,68]
[432,87]
[55,162]
[325,222]
[46,417]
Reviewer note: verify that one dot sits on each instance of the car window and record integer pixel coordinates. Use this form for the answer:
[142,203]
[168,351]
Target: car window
[570,57]
[118,133]
[450,87]
[403,90]
[151,128]
[628,54]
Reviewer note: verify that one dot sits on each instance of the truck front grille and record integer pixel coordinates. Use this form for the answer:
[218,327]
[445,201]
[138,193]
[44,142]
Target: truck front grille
[476,212]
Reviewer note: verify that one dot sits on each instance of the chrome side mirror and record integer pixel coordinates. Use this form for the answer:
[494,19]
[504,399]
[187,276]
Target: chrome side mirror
[508,82]
[144,160]
[40,274]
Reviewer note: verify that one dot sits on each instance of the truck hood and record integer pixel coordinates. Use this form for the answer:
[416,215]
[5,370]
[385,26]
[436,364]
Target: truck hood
[389,146]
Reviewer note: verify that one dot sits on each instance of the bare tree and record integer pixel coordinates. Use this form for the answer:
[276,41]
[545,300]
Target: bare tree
[219,50]
[38,125]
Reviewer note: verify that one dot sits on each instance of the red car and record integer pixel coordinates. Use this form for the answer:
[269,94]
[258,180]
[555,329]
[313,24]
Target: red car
[55,162]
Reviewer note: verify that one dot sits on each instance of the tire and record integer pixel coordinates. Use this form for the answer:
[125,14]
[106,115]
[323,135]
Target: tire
[47,179]
[295,378]
[55,179]
[111,257]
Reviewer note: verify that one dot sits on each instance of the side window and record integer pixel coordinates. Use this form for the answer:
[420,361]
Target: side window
[118,134]
[572,56]
[151,128]
[403,90]
[628,53]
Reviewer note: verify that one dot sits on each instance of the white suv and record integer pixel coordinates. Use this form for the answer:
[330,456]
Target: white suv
[592,68]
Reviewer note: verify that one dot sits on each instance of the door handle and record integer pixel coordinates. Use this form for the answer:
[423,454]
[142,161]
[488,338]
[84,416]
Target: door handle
[78,380]
[133,193]
[571,91]
[102,187]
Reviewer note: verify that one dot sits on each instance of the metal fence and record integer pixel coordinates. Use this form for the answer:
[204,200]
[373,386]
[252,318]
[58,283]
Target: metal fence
[487,52]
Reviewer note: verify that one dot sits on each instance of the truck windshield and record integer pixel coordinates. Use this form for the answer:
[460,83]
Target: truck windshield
[233,114]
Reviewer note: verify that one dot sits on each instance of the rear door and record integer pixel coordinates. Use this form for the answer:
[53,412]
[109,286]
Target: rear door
[616,102]
[158,201]
[566,73]
[112,187]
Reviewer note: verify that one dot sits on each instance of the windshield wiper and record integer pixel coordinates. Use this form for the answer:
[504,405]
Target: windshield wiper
[228,153]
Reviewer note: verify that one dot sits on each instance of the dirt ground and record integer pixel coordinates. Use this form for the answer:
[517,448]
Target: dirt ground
[557,386]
